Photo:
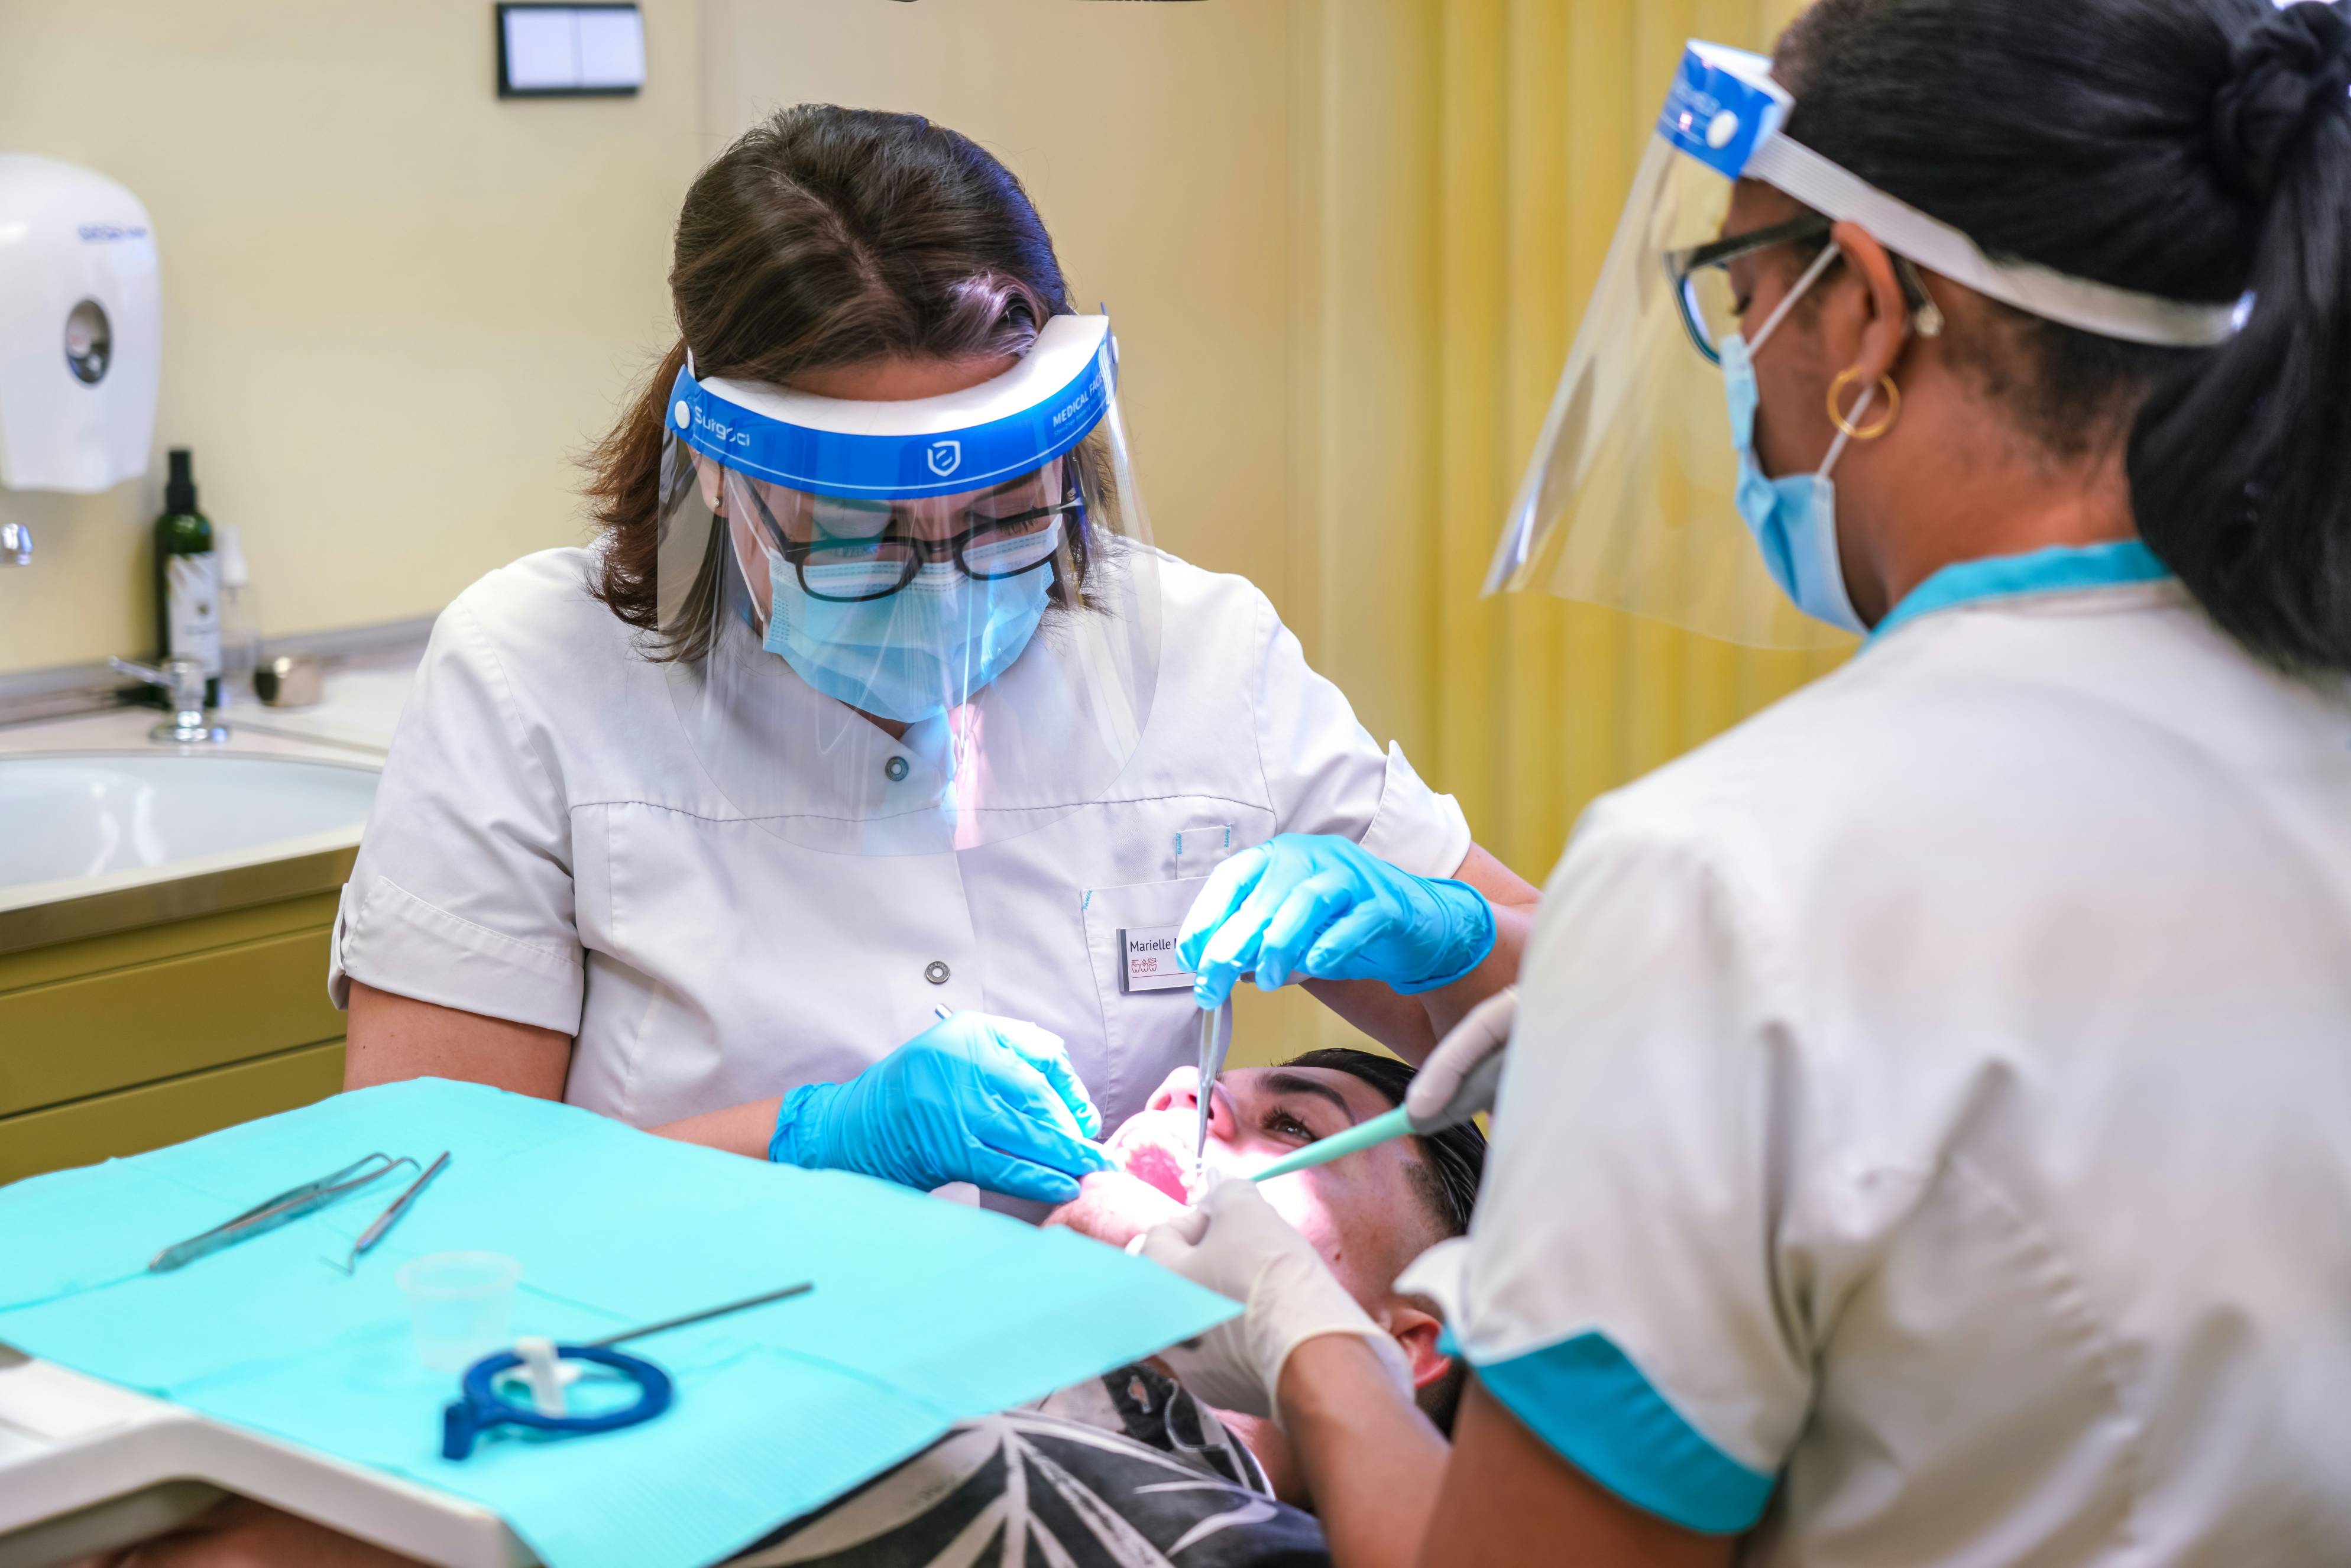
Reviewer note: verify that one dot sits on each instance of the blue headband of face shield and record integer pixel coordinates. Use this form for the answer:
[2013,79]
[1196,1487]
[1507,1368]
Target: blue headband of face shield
[1006,426]
[1721,106]
[1725,111]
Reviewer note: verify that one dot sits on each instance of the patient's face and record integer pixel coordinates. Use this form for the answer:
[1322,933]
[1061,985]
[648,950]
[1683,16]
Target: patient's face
[1361,1211]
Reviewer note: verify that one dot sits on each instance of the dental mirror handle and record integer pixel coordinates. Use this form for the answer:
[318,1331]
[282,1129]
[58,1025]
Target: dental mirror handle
[1474,1098]
[1216,1043]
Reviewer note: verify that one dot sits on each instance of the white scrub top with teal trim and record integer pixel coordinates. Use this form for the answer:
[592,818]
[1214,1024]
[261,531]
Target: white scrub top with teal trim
[545,848]
[1927,1131]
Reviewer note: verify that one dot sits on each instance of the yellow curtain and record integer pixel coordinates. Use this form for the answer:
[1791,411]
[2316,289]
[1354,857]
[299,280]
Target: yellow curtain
[1539,705]
[1460,168]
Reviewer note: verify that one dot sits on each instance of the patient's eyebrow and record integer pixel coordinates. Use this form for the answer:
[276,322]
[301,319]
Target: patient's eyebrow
[1281,1082]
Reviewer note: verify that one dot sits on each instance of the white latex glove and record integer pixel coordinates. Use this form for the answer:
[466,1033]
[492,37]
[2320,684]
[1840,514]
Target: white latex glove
[1471,1048]
[1234,1243]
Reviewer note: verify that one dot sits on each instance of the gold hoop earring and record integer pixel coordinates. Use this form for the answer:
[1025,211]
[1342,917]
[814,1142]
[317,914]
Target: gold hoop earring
[1846,377]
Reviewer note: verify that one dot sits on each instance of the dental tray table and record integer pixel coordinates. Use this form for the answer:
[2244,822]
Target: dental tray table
[86,1467]
[263,1369]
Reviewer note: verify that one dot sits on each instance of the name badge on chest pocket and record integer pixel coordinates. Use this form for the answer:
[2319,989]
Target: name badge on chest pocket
[1148,960]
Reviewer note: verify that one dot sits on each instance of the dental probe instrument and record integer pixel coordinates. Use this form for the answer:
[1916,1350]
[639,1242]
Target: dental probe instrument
[1476,1094]
[1215,1044]
[391,1217]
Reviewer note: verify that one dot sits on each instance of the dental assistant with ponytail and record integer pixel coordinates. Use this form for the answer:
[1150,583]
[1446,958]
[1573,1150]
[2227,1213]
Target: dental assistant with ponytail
[841,803]
[1925,1134]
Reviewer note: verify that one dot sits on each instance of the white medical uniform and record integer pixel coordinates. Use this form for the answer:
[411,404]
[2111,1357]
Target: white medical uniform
[546,848]
[1928,1125]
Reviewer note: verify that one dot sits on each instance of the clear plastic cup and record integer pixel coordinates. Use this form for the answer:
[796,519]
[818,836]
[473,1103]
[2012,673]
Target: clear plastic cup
[460,1305]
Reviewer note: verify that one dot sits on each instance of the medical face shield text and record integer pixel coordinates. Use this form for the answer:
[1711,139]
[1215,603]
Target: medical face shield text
[1633,498]
[972,570]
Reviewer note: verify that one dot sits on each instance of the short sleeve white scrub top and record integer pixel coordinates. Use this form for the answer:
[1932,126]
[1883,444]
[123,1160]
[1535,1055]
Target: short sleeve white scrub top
[545,848]
[1927,1132]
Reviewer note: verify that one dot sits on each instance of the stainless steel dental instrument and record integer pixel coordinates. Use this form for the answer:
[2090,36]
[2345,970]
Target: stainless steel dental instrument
[1216,1043]
[272,1212]
[391,1217]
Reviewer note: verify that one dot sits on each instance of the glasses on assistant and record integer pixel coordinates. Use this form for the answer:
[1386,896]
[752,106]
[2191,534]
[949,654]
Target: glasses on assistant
[849,551]
[1711,307]
[1700,275]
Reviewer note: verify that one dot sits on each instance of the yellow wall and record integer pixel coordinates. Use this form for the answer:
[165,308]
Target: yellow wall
[393,305]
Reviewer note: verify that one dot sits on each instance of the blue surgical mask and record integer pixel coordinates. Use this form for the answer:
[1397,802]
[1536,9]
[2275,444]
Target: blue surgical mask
[915,653]
[1793,519]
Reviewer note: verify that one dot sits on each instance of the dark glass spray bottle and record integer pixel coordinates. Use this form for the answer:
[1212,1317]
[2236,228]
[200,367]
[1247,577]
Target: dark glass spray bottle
[187,578]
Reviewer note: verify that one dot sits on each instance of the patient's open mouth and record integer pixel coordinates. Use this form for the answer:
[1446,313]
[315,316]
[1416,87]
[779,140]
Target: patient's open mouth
[1150,1163]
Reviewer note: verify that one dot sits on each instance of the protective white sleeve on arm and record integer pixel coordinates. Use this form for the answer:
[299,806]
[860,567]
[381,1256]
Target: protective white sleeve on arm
[1627,1289]
[1326,774]
[462,893]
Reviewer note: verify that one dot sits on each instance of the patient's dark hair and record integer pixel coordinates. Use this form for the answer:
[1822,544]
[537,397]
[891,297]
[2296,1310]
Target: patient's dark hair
[1452,1164]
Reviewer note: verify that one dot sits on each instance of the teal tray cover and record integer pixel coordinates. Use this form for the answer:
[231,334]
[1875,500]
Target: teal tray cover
[924,1313]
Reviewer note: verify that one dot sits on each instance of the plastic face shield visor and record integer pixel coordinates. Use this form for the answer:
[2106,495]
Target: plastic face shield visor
[909,627]
[1628,500]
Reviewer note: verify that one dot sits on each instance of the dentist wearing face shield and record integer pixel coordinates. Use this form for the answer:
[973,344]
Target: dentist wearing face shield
[1925,1134]
[842,803]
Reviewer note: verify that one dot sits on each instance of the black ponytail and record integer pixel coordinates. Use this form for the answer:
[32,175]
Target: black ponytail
[2240,469]
[2192,149]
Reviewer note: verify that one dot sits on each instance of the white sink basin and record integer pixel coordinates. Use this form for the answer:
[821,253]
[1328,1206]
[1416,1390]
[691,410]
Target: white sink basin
[70,816]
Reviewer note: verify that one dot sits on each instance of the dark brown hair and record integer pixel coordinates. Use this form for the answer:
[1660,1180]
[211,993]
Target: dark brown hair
[825,237]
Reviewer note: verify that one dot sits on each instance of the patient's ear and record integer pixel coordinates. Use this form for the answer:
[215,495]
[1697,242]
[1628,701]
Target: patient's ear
[1417,1332]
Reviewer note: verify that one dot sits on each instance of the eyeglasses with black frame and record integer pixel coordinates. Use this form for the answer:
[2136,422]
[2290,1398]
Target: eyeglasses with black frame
[855,570]
[1710,307]
[1700,276]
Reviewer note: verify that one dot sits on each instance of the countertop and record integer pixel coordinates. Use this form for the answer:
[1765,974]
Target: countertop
[351,726]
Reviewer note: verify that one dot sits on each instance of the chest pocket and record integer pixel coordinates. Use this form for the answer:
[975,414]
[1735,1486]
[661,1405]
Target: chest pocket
[1147,1030]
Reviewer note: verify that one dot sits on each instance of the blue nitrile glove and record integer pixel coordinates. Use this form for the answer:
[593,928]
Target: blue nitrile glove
[1318,907]
[990,1100]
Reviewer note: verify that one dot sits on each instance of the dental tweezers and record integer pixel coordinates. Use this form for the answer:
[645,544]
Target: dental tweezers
[272,1212]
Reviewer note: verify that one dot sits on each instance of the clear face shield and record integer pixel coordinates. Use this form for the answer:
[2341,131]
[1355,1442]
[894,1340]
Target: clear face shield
[1632,498]
[905,628]
[1629,499]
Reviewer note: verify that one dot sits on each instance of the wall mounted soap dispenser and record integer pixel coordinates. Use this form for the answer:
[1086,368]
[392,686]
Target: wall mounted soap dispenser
[81,317]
